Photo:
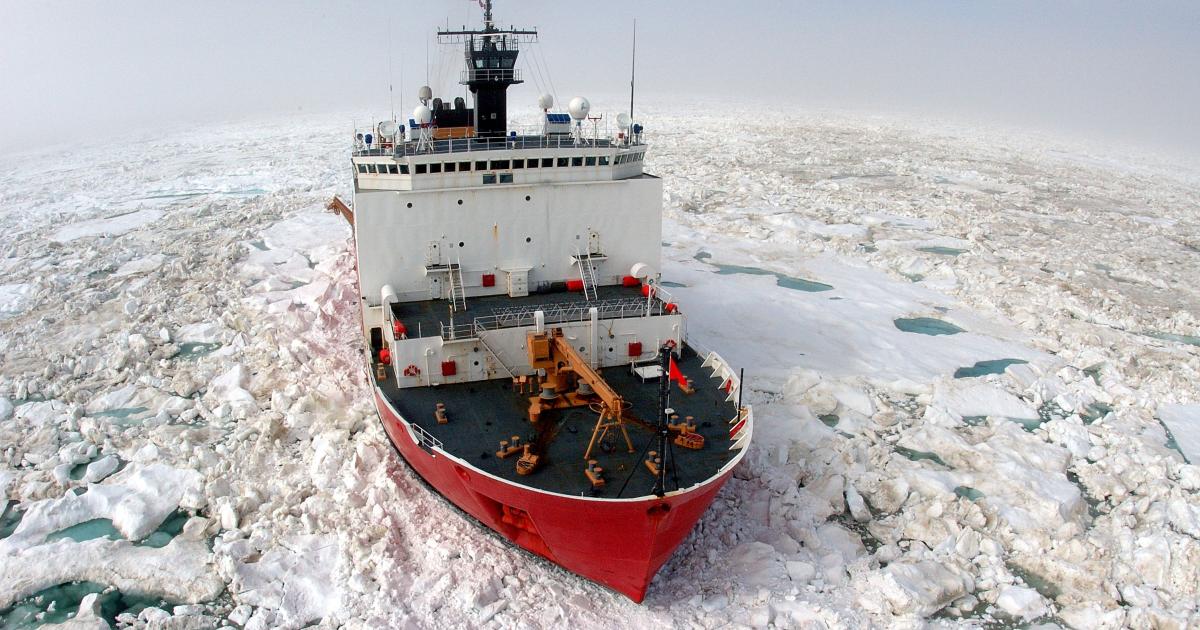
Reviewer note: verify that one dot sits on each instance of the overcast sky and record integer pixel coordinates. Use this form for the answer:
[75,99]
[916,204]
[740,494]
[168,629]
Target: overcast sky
[1114,71]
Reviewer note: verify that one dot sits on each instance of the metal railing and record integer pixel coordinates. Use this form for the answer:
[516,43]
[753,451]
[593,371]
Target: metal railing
[424,439]
[559,313]
[526,138]
[491,74]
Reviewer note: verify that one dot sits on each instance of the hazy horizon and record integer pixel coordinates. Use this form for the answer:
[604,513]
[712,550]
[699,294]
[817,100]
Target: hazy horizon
[1107,71]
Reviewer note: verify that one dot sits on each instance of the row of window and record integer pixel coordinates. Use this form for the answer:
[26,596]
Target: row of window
[495,165]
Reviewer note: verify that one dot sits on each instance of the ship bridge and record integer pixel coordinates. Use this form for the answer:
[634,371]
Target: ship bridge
[517,159]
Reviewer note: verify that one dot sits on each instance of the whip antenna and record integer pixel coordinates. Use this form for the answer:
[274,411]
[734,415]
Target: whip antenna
[633,68]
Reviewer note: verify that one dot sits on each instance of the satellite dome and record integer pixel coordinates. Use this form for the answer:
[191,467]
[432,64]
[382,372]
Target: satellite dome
[641,271]
[623,121]
[388,128]
[545,101]
[579,108]
[425,93]
[422,115]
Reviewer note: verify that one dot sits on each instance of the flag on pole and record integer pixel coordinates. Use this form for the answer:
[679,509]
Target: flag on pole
[676,375]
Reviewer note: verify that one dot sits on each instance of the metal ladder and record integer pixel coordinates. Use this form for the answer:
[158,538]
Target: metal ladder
[458,293]
[492,357]
[587,274]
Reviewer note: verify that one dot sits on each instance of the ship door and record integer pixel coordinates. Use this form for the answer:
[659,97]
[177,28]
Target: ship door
[433,254]
[593,242]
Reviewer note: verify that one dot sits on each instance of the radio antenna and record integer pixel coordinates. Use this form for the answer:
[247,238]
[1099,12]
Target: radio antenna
[633,69]
[391,93]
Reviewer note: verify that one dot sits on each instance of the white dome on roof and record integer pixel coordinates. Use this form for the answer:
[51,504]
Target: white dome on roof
[545,101]
[623,121]
[579,108]
[425,93]
[422,115]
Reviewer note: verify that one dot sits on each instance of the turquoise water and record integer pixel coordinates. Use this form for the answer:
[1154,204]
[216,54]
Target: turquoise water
[122,415]
[169,529]
[785,281]
[193,350]
[830,419]
[1095,411]
[64,600]
[968,493]
[87,530]
[1185,339]
[917,456]
[942,251]
[673,285]
[927,326]
[994,366]
[10,518]
[103,528]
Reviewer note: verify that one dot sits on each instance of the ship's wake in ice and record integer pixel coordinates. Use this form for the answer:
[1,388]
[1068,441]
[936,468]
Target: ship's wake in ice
[972,359]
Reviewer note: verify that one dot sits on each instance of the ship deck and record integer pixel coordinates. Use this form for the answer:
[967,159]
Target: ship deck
[427,318]
[484,413]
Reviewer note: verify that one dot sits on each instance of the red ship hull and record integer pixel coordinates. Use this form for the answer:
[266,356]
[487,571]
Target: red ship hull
[615,542]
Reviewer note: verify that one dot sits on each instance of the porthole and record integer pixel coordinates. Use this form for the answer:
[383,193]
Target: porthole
[460,202]
[528,239]
[460,244]
[476,364]
[527,197]
[610,349]
[410,204]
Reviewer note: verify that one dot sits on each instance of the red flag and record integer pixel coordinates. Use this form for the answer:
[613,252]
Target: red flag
[676,375]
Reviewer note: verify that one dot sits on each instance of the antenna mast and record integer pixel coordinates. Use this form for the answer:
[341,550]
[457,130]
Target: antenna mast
[632,70]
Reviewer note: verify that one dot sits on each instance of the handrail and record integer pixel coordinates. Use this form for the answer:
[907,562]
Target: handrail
[424,437]
[530,137]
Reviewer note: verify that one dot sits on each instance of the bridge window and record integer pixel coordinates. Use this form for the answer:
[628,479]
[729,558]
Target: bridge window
[547,162]
[518,164]
[421,168]
[371,169]
[362,168]
[404,169]
[392,170]
[590,161]
[489,178]
[563,162]
[603,160]
[481,165]
[464,167]
[533,163]
[498,165]
[506,178]
[449,167]
[436,167]
[576,161]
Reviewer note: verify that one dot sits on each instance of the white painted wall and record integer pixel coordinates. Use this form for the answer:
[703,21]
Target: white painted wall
[493,223]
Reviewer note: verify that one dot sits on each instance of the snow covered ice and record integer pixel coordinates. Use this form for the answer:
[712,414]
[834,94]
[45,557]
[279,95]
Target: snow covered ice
[186,433]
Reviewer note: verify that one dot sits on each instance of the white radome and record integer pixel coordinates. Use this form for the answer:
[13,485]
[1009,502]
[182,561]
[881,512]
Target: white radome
[641,271]
[624,121]
[422,115]
[425,93]
[388,128]
[545,101]
[579,108]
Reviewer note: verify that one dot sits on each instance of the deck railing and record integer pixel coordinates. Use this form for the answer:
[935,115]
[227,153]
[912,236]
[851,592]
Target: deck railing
[424,439]
[561,313]
[530,137]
